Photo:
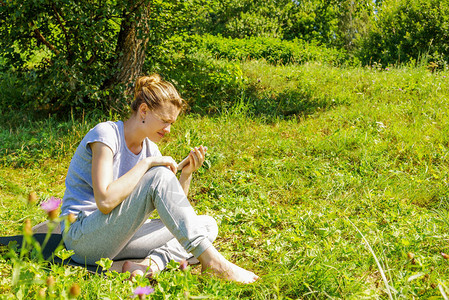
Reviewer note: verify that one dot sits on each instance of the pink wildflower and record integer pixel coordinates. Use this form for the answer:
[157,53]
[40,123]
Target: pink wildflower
[183,265]
[51,207]
[141,291]
[51,204]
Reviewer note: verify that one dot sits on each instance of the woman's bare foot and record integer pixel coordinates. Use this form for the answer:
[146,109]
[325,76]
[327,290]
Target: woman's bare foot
[146,269]
[213,262]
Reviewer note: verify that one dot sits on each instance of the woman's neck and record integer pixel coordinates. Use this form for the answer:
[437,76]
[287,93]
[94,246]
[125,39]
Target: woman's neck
[133,137]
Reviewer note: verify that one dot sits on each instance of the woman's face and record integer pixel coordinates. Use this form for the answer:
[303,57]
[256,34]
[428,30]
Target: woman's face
[158,121]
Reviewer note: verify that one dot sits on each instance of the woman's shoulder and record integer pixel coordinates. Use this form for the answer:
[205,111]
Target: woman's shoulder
[108,133]
[108,127]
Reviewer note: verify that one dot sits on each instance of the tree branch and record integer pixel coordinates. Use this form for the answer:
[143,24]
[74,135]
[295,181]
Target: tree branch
[41,38]
[91,59]
[58,17]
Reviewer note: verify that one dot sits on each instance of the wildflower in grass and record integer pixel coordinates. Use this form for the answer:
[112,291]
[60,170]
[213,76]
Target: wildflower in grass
[27,229]
[42,293]
[71,218]
[183,265]
[32,197]
[50,281]
[141,291]
[411,256]
[51,207]
[75,290]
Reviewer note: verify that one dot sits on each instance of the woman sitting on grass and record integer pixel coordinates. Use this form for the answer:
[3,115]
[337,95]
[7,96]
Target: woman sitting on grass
[118,177]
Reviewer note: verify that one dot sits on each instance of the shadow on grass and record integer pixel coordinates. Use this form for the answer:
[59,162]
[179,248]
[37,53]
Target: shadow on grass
[212,87]
[288,103]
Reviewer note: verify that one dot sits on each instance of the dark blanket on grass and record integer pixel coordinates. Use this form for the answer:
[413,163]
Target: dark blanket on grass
[48,251]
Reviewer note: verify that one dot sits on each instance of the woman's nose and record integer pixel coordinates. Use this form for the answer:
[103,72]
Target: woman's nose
[167,128]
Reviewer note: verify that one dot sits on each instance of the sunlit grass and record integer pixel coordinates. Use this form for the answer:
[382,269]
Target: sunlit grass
[345,197]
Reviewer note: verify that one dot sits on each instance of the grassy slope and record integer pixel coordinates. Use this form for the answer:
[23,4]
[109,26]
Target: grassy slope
[294,198]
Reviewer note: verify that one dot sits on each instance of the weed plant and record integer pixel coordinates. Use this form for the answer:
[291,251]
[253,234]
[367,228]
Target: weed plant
[327,182]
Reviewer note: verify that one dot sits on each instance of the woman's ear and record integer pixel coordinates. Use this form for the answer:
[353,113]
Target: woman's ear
[143,110]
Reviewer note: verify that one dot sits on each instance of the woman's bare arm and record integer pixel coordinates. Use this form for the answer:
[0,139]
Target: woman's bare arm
[109,193]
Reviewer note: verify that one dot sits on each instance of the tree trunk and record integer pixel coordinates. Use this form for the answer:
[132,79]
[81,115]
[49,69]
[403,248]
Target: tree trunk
[131,46]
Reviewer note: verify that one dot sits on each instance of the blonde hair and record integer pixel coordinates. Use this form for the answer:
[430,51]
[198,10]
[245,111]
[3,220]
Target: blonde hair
[153,91]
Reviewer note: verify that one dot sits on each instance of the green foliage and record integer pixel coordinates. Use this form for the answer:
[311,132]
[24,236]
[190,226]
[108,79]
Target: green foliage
[70,39]
[274,51]
[207,84]
[33,279]
[11,97]
[408,30]
[240,19]
[333,23]
[57,55]
[67,49]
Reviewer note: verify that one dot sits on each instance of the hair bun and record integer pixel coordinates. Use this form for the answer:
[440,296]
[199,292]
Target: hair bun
[146,81]
[153,91]
[153,78]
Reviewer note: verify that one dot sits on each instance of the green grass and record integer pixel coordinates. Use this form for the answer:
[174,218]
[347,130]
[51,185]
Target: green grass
[322,194]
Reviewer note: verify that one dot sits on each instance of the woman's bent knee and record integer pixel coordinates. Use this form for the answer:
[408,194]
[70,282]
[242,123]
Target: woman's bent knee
[158,173]
[211,226]
[161,178]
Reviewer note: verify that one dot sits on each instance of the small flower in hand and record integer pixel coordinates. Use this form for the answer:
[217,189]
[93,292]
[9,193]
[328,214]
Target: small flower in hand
[51,207]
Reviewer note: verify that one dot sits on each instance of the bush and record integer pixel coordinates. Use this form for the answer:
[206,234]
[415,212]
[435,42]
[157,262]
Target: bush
[207,84]
[408,30]
[273,50]
[11,91]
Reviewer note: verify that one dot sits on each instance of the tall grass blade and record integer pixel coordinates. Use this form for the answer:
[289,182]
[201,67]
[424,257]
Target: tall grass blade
[442,287]
[382,273]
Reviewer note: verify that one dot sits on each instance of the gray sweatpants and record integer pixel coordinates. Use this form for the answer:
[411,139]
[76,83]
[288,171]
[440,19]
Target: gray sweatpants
[126,232]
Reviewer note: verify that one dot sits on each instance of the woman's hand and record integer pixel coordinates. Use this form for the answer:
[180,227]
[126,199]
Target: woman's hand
[196,160]
[167,161]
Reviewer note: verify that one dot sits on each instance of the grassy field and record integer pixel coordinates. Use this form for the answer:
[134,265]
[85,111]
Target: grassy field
[346,197]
